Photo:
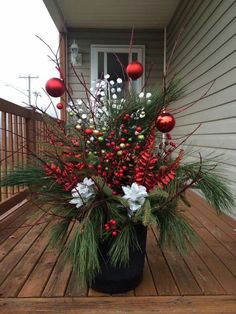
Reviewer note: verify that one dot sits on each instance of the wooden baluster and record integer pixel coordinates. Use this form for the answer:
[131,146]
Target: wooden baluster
[21,145]
[25,147]
[31,133]
[4,190]
[10,155]
[16,146]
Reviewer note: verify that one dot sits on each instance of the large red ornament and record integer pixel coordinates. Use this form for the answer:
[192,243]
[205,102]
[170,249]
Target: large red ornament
[134,70]
[165,122]
[55,87]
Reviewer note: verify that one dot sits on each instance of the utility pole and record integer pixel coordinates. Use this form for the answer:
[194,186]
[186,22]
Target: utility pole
[29,77]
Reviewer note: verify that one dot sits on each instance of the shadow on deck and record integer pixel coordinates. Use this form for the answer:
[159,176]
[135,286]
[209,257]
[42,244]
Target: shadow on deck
[33,278]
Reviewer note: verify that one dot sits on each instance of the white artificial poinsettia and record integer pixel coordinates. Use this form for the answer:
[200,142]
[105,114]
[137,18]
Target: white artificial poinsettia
[82,192]
[135,195]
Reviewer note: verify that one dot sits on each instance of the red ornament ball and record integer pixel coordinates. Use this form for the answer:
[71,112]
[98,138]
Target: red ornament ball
[134,70]
[88,131]
[165,122]
[55,87]
[59,106]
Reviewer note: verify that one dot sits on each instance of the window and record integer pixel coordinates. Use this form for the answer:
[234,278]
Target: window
[113,60]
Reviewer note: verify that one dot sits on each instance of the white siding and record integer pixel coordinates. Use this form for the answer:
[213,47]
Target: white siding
[152,39]
[206,52]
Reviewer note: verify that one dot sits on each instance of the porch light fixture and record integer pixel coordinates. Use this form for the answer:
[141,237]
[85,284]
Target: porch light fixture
[75,55]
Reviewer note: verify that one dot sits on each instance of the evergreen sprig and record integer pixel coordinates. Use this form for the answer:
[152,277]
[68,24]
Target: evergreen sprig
[211,183]
[174,230]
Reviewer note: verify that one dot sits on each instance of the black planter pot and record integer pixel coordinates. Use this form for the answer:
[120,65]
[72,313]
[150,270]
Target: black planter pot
[119,280]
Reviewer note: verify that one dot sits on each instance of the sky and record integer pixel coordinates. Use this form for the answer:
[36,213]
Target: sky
[22,53]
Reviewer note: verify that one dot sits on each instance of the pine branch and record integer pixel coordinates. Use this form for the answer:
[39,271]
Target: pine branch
[122,245]
[174,230]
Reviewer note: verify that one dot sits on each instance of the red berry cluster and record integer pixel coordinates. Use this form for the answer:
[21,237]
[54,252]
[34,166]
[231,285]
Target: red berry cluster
[111,227]
[116,151]
[65,177]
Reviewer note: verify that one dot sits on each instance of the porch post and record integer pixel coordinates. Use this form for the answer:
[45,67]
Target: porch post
[164,56]
[63,66]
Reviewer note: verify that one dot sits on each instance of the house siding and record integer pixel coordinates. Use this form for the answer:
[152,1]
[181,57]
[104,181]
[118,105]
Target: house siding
[206,53]
[152,39]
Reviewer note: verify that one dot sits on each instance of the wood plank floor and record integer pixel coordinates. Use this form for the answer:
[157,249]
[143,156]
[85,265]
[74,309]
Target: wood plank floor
[34,279]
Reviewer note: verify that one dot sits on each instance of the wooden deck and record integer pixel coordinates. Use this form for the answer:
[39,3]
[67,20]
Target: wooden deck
[33,278]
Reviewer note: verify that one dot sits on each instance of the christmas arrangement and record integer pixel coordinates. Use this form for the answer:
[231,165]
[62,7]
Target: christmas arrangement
[114,170]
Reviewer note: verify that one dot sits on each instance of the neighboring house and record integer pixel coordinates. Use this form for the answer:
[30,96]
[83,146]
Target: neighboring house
[206,51]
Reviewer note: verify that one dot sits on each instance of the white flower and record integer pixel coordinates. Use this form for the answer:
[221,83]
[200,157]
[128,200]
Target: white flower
[82,192]
[114,96]
[79,101]
[119,90]
[88,182]
[142,114]
[112,82]
[102,93]
[148,95]
[141,95]
[113,90]
[135,195]
[84,116]
[119,80]
[107,76]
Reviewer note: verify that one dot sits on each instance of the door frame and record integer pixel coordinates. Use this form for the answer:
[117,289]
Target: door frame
[95,48]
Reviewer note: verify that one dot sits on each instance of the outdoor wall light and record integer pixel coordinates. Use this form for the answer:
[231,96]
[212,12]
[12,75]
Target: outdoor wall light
[75,55]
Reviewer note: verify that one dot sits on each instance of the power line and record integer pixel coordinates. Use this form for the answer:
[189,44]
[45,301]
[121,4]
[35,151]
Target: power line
[14,87]
[29,78]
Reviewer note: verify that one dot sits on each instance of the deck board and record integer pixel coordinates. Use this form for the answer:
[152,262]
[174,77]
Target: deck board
[59,278]
[11,260]
[10,224]
[121,305]
[35,278]
[17,235]
[162,275]
[147,286]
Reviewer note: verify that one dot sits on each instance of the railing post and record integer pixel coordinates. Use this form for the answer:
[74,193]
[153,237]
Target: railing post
[31,132]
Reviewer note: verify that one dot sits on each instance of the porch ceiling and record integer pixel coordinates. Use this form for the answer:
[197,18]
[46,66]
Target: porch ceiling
[111,13]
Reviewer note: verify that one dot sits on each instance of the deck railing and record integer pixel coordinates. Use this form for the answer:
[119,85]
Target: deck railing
[21,131]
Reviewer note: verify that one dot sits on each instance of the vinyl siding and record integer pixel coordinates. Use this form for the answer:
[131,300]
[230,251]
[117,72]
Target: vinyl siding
[152,39]
[206,53]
